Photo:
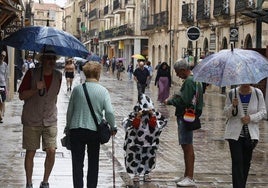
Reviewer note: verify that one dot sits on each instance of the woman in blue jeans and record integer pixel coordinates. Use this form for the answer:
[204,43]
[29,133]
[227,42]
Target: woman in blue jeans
[82,128]
[244,108]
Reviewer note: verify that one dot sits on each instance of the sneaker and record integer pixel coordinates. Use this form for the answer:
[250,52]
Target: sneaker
[29,185]
[136,178]
[44,185]
[147,178]
[186,182]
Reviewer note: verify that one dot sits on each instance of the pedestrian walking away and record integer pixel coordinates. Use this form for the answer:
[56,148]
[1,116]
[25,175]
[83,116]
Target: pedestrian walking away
[120,68]
[130,69]
[244,108]
[143,128]
[151,70]
[3,83]
[141,76]
[82,128]
[39,114]
[187,92]
[69,71]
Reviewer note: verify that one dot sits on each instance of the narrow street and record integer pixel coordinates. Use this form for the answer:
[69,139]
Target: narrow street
[212,166]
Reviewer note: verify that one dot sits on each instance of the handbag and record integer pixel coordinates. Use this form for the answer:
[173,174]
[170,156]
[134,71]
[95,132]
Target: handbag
[65,141]
[103,128]
[190,119]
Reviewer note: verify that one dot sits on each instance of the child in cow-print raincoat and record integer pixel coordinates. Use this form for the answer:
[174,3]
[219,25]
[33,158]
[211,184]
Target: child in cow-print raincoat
[143,128]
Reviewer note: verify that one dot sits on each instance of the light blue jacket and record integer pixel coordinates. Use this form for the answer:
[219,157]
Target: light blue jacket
[78,113]
[256,111]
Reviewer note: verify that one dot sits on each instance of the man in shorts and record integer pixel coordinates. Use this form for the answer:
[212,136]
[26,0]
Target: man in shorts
[39,114]
[187,93]
[3,81]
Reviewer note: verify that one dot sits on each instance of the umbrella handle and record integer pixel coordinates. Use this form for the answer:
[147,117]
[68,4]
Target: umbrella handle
[235,111]
[41,91]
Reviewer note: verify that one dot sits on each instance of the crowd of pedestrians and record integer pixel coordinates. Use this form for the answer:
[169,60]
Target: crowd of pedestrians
[244,108]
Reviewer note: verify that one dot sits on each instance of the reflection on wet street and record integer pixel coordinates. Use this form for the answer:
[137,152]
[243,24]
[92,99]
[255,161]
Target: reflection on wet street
[212,157]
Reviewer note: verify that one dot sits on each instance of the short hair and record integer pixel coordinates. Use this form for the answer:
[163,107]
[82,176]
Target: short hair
[92,69]
[181,64]
[141,63]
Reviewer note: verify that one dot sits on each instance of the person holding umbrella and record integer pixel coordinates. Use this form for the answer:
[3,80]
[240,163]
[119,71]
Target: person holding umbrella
[188,90]
[244,112]
[39,90]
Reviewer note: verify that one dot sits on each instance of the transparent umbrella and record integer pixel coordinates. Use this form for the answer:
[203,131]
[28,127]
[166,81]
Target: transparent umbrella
[232,67]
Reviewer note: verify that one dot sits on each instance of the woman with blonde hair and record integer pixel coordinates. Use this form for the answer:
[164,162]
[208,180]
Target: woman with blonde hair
[81,125]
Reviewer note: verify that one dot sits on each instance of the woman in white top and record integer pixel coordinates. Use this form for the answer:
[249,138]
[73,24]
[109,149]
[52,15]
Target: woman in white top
[244,112]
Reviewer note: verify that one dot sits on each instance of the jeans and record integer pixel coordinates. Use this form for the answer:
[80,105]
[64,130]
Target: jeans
[80,138]
[241,154]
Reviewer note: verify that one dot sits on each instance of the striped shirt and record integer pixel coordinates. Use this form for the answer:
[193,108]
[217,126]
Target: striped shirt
[245,100]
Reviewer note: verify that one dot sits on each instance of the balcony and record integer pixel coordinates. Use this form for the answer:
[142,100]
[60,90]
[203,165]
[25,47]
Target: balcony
[107,12]
[118,8]
[129,4]
[255,12]
[122,30]
[221,10]
[92,15]
[92,33]
[159,20]
[187,17]
[203,11]
[245,8]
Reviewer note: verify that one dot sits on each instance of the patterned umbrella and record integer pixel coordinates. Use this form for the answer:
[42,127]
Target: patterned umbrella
[232,67]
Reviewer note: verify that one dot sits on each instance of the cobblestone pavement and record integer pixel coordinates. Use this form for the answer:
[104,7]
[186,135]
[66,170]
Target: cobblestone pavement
[212,164]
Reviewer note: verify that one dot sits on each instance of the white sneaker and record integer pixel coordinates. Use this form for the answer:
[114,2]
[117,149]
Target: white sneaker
[186,182]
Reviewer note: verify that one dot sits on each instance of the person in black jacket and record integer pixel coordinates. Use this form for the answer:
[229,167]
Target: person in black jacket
[163,82]
[141,76]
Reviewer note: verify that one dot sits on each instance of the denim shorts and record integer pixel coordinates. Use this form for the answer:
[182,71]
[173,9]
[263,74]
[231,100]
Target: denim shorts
[185,136]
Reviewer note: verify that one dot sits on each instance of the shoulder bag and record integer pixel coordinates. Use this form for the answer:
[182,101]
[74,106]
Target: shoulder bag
[103,128]
[190,119]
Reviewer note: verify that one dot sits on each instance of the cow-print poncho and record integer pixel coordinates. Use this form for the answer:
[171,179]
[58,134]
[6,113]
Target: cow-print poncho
[143,128]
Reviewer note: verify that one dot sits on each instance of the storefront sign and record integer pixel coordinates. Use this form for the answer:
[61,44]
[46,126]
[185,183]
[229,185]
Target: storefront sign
[233,34]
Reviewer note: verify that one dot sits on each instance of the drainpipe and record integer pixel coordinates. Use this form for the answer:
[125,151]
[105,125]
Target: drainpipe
[259,25]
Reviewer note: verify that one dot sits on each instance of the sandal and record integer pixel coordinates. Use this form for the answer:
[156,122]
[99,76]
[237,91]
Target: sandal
[147,178]
[136,178]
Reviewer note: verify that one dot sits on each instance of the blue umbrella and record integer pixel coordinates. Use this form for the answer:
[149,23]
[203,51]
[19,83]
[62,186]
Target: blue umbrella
[94,57]
[34,38]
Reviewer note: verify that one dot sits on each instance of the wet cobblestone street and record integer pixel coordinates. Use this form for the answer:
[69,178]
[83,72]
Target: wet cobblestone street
[212,164]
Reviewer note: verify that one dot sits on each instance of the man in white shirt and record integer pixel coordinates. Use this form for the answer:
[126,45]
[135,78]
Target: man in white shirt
[28,64]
